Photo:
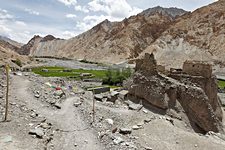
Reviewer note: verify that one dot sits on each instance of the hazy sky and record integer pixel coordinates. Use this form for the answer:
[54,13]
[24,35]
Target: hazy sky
[21,19]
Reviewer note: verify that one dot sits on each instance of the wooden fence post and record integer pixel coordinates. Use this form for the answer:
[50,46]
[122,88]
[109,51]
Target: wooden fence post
[93,109]
[7,92]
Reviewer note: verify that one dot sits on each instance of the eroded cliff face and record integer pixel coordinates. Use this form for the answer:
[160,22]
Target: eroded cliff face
[193,94]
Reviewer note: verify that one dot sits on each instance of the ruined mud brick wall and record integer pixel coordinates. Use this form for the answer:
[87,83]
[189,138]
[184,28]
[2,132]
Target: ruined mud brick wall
[201,76]
[197,68]
[190,92]
[147,65]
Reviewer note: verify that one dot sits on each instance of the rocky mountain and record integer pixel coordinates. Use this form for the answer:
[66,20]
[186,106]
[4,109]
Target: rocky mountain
[173,12]
[110,42]
[33,44]
[8,53]
[195,36]
[12,42]
[172,34]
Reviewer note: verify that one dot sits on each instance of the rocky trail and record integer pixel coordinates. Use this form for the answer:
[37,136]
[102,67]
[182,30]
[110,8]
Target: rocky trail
[36,124]
[72,128]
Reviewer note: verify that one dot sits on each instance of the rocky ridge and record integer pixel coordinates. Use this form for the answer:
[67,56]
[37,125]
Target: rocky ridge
[117,41]
[195,36]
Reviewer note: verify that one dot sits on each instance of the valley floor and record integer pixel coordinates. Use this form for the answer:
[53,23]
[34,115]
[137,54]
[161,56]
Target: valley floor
[36,124]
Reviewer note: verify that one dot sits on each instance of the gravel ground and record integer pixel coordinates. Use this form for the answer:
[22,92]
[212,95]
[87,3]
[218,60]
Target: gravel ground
[40,119]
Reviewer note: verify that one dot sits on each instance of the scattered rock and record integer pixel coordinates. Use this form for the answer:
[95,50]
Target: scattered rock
[148,148]
[147,120]
[135,106]
[77,104]
[86,141]
[117,140]
[45,125]
[135,127]
[33,114]
[109,121]
[140,124]
[125,131]
[37,95]
[57,105]
[123,94]
[37,131]
[98,97]
[145,111]
[130,145]
[114,130]
[114,93]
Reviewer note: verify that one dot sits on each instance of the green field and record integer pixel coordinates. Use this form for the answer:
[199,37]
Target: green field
[109,77]
[59,72]
[221,84]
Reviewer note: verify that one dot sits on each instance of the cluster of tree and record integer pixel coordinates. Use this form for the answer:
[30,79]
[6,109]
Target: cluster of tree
[117,76]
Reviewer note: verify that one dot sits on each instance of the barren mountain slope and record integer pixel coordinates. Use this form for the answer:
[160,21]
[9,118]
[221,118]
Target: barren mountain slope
[32,45]
[7,53]
[196,36]
[12,42]
[113,42]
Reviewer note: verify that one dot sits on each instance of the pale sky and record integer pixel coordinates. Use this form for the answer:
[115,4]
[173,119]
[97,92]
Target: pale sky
[21,19]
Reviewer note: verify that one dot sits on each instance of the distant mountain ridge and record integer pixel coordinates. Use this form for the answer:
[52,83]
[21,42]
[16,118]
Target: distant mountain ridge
[12,42]
[173,12]
[199,35]
[116,41]
[32,44]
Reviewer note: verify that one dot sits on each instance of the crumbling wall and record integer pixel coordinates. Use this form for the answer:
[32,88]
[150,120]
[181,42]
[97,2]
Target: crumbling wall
[147,65]
[195,94]
[197,68]
[203,79]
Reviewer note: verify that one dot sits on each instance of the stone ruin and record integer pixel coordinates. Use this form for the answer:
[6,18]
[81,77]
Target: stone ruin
[189,93]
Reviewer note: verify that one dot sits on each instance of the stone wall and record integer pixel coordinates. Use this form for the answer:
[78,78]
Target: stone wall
[198,68]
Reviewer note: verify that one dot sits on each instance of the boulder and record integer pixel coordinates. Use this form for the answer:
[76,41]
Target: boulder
[123,94]
[37,131]
[117,140]
[125,130]
[98,97]
[109,121]
[134,106]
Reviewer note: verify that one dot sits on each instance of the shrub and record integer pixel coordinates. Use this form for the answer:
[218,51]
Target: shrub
[17,62]
[116,77]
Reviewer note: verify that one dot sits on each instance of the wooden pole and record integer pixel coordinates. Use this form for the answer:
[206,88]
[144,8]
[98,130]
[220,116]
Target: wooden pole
[7,92]
[93,109]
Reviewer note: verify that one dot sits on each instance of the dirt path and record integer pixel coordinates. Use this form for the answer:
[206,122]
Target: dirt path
[73,132]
